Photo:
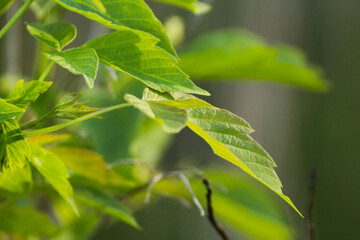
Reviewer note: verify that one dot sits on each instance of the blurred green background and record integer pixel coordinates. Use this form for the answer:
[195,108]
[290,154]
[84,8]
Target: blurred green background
[299,129]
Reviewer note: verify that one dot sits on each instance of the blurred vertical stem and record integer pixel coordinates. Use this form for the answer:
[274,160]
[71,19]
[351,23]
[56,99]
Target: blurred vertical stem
[16,17]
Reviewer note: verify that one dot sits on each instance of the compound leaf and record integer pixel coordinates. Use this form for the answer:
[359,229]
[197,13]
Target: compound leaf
[79,61]
[117,14]
[134,52]
[54,171]
[14,150]
[238,54]
[8,110]
[24,94]
[56,35]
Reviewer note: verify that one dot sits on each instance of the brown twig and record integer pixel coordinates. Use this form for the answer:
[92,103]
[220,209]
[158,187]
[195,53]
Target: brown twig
[211,216]
[312,183]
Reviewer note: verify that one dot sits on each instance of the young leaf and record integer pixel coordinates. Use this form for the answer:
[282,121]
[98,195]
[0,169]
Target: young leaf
[54,171]
[228,135]
[8,110]
[79,61]
[56,35]
[69,108]
[194,6]
[4,5]
[16,181]
[48,139]
[237,54]
[14,150]
[173,119]
[89,165]
[24,94]
[134,52]
[105,204]
[25,221]
[117,14]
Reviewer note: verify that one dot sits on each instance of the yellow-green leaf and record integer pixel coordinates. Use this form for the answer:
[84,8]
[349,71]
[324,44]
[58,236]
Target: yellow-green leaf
[194,6]
[16,181]
[54,171]
[79,61]
[8,110]
[56,35]
[135,52]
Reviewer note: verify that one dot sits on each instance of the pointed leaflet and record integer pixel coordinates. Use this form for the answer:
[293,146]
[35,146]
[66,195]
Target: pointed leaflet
[54,171]
[79,61]
[8,110]
[56,35]
[238,54]
[192,5]
[25,221]
[24,94]
[14,150]
[134,52]
[173,119]
[228,135]
[117,14]
[105,204]
[4,5]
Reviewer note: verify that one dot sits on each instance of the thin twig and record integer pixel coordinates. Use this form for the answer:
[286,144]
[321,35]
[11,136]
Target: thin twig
[211,216]
[312,184]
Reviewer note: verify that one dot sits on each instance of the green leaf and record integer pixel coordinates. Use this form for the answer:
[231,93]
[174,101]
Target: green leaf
[56,35]
[25,221]
[48,139]
[228,135]
[117,14]
[134,52]
[106,204]
[8,110]
[69,108]
[194,6]
[24,94]
[238,54]
[79,61]
[89,165]
[173,119]
[15,181]
[4,5]
[14,150]
[54,171]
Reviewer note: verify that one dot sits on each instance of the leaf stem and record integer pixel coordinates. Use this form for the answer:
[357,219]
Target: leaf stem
[46,71]
[16,17]
[75,121]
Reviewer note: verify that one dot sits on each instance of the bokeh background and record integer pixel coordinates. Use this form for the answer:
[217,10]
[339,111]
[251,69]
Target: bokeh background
[299,129]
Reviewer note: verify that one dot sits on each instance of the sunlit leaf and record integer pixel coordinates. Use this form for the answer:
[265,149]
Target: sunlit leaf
[90,165]
[192,5]
[237,54]
[117,14]
[14,150]
[134,52]
[25,221]
[173,119]
[8,110]
[54,171]
[24,94]
[79,61]
[15,181]
[56,35]
[228,135]
[4,5]
[47,139]
[106,204]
